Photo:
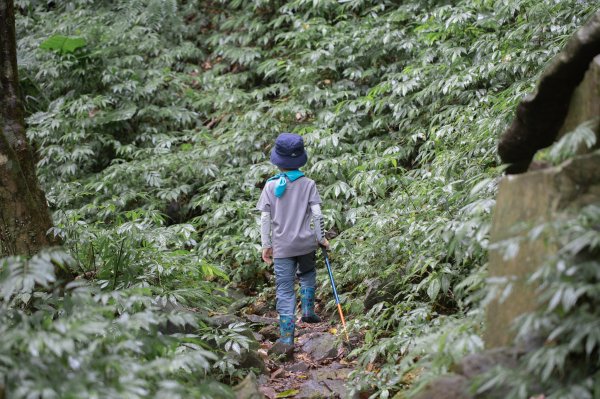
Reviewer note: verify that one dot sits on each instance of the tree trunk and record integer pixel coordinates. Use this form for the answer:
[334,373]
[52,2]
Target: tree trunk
[24,216]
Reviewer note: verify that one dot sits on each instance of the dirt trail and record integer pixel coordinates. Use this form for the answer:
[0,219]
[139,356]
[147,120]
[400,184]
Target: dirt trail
[319,367]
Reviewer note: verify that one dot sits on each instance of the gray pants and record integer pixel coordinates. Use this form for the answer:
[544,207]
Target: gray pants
[286,271]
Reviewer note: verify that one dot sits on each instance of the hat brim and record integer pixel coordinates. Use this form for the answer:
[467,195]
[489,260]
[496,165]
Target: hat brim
[288,162]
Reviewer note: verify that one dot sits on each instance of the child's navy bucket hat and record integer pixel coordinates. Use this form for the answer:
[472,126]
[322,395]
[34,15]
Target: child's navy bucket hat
[288,152]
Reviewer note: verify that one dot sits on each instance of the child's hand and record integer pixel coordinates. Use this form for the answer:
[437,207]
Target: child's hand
[267,255]
[325,244]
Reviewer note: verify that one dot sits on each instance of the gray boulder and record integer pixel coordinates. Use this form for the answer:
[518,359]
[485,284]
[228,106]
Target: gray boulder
[299,367]
[478,363]
[261,319]
[321,346]
[449,386]
[223,320]
[270,332]
[248,388]
[312,389]
[282,350]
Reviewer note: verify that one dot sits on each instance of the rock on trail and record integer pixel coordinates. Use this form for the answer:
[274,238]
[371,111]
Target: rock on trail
[316,369]
[321,346]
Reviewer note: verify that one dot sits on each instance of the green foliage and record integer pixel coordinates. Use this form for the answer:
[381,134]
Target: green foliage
[63,44]
[153,144]
[581,139]
[80,341]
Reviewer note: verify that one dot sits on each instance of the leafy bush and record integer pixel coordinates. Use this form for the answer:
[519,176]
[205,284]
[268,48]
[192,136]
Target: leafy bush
[80,341]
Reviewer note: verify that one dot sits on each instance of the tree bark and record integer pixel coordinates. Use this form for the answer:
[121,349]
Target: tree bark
[24,216]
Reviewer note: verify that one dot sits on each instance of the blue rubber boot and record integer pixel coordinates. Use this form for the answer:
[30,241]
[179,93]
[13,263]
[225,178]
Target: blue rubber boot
[307,295]
[286,329]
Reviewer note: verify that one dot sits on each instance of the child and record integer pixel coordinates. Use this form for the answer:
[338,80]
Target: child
[287,203]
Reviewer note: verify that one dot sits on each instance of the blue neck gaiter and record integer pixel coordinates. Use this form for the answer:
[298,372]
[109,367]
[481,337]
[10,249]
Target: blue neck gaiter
[283,178]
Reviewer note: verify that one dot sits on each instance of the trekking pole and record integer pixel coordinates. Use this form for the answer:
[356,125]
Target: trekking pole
[335,294]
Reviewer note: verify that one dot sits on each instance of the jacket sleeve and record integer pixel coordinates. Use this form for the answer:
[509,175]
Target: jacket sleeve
[318,221]
[264,202]
[265,229]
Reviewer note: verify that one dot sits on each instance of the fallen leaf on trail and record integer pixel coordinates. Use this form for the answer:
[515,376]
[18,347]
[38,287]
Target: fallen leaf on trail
[277,372]
[288,394]
[333,330]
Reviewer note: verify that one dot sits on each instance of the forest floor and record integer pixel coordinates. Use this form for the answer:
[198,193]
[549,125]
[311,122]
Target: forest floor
[319,367]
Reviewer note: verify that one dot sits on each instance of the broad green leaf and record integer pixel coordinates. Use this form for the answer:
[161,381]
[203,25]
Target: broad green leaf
[63,44]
